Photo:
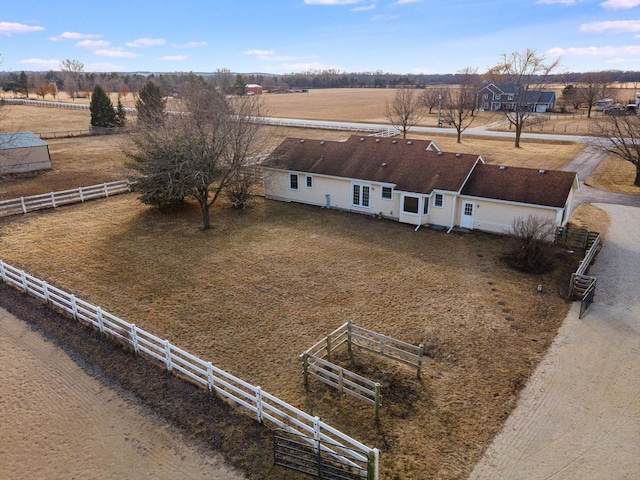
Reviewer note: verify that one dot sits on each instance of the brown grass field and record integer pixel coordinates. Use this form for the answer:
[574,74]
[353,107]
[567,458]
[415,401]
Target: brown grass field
[265,284]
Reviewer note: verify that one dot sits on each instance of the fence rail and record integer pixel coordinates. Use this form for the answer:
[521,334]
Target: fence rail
[260,403]
[24,205]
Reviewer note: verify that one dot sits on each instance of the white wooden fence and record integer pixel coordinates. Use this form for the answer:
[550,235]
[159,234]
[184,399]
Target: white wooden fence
[316,361]
[20,205]
[260,403]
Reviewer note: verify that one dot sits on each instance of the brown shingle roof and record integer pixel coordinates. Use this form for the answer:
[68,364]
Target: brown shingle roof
[405,163]
[524,185]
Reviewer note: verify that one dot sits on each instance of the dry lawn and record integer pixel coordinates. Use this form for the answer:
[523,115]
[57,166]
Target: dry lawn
[614,175]
[265,284]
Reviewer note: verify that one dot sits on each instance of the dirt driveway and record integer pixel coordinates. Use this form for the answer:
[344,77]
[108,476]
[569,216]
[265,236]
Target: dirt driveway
[57,422]
[579,416]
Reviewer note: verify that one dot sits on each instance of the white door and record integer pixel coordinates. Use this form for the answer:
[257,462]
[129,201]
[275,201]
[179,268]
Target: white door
[466,220]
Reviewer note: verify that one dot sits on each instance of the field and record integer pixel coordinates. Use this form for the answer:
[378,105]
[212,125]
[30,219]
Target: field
[265,284]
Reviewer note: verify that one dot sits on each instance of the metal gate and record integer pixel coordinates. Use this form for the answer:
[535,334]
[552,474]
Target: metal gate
[587,297]
[302,454]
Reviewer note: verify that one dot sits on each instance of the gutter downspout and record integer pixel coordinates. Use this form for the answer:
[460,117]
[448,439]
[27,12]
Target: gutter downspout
[453,212]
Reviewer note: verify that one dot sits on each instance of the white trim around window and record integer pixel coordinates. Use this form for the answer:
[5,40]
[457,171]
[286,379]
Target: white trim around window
[410,205]
[294,181]
[438,200]
[361,195]
[308,181]
[386,193]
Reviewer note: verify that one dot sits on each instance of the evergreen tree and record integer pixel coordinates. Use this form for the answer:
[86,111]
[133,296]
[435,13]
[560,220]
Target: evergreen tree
[102,112]
[24,84]
[150,105]
[121,115]
[239,86]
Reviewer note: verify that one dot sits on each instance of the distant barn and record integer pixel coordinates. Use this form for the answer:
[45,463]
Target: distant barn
[23,152]
[253,89]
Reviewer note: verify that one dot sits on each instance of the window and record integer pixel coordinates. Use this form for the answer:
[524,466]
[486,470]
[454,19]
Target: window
[361,195]
[410,204]
[293,181]
[387,193]
[438,200]
[468,209]
[309,181]
[425,206]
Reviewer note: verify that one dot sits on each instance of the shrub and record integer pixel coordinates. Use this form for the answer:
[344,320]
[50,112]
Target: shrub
[531,247]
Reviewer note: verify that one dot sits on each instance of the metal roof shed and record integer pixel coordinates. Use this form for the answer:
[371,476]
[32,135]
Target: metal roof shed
[23,152]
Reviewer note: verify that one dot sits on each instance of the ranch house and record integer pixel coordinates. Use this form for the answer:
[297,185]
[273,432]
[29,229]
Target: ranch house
[413,182]
[23,152]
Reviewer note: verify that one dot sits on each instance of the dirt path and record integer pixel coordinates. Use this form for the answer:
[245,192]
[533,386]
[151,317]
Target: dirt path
[57,422]
[579,416]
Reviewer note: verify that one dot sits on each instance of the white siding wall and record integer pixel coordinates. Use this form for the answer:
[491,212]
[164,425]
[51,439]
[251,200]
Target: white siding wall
[498,217]
[276,186]
[25,159]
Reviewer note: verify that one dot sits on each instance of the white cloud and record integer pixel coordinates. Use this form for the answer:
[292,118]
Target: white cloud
[620,4]
[115,53]
[364,9]
[191,45]
[259,53]
[616,26]
[74,36]
[331,2]
[146,42]
[607,51]
[92,44]
[8,28]
[174,58]
[406,2]
[40,64]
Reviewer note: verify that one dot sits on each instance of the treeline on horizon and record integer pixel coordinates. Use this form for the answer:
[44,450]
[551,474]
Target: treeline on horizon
[33,82]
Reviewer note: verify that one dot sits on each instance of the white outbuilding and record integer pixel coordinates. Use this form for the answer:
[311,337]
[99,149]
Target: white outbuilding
[23,152]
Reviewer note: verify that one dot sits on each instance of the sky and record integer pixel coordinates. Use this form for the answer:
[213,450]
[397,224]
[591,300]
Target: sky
[286,36]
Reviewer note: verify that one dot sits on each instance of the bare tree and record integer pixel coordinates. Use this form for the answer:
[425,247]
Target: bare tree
[594,86]
[458,102]
[200,151]
[71,73]
[431,97]
[620,136]
[525,73]
[405,110]
[531,246]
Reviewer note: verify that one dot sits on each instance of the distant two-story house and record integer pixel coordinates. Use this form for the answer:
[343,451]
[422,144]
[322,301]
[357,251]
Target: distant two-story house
[507,96]
[412,181]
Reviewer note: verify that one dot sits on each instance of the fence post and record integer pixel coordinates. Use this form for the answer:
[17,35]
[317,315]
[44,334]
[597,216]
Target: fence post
[100,321]
[372,465]
[74,307]
[134,337]
[81,195]
[420,355]
[341,379]
[259,404]
[377,407]
[167,354]
[572,283]
[45,291]
[24,207]
[329,347]
[210,375]
[53,200]
[305,368]
[349,323]
[2,272]
[316,434]
[106,191]
[23,278]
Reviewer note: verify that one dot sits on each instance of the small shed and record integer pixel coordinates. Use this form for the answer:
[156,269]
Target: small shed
[23,152]
[254,89]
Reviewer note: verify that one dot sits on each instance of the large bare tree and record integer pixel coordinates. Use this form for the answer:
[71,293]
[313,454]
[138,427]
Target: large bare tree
[458,101]
[620,136]
[405,110]
[71,73]
[594,86]
[201,149]
[526,73]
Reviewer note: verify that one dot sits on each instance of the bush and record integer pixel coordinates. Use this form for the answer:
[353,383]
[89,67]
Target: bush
[531,247]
